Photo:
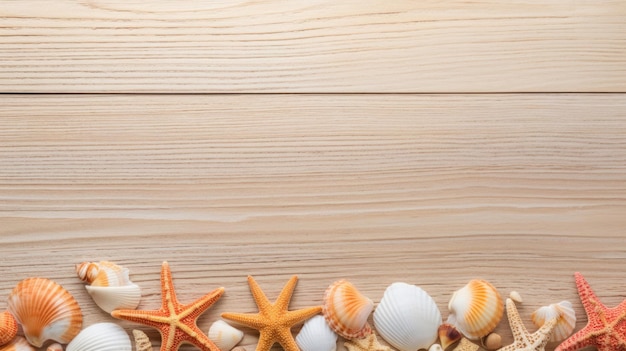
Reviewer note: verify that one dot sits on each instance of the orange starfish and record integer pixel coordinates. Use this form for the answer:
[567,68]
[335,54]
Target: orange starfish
[606,328]
[176,322]
[274,321]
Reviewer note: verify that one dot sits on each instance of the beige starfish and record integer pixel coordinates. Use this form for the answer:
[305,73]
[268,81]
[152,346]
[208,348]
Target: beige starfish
[369,343]
[525,341]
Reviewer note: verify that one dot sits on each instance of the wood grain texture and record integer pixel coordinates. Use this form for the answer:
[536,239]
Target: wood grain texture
[312,46]
[433,190]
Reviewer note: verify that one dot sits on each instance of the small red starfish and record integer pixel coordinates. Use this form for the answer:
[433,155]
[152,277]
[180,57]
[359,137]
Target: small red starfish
[176,322]
[606,328]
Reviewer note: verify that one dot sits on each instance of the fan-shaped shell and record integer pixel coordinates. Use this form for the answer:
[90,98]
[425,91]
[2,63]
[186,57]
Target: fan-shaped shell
[316,335]
[17,344]
[110,298]
[224,335]
[142,342]
[8,327]
[45,310]
[476,309]
[407,317]
[103,273]
[566,319]
[101,337]
[448,335]
[346,310]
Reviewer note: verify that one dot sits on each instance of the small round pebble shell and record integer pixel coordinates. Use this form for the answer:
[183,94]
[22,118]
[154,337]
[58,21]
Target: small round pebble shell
[515,296]
[493,341]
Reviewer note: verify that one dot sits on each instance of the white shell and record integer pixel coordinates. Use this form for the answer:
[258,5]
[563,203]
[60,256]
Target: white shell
[316,335]
[110,298]
[476,309]
[407,317]
[435,347]
[101,337]
[566,319]
[224,335]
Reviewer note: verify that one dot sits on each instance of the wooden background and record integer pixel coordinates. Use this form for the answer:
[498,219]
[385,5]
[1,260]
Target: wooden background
[430,142]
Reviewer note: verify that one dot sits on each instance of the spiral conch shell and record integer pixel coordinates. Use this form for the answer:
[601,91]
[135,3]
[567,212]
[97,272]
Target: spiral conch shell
[346,310]
[8,327]
[566,319]
[142,342]
[17,344]
[101,337]
[316,335]
[45,310]
[110,286]
[476,309]
[224,335]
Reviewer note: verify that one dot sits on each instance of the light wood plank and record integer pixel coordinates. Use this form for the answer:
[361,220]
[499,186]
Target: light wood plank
[521,190]
[313,46]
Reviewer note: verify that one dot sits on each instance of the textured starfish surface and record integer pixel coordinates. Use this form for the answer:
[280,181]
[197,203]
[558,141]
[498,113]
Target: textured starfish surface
[466,345]
[176,322]
[274,321]
[369,343]
[606,327]
[523,340]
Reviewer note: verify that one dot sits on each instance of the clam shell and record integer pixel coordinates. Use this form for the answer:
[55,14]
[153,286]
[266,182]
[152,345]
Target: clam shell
[566,319]
[142,342]
[101,337]
[55,347]
[110,298]
[103,273]
[17,344]
[224,335]
[448,335]
[316,335]
[8,327]
[45,310]
[346,310]
[407,317]
[476,309]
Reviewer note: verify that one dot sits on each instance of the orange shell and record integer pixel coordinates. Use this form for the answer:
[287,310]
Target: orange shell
[8,327]
[18,344]
[476,309]
[103,273]
[448,335]
[346,310]
[45,310]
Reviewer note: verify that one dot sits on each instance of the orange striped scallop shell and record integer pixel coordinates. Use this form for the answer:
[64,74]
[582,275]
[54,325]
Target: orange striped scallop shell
[8,327]
[476,309]
[45,310]
[103,273]
[346,310]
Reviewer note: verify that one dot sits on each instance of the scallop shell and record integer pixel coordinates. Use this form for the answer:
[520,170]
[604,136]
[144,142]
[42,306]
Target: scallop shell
[346,310]
[17,344]
[316,335]
[476,309]
[45,310]
[55,347]
[142,342]
[407,317]
[101,337]
[8,327]
[566,319]
[224,335]
[103,273]
[448,335]
[110,298]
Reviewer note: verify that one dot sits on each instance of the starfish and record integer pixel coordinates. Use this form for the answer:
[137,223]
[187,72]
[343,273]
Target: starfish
[274,321]
[369,343]
[606,329]
[176,322]
[523,340]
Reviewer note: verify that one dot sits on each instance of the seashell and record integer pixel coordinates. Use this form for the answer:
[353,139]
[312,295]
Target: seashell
[55,347]
[45,310]
[101,337]
[566,319]
[103,273]
[346,310]
[17,344]
[476,309]
[224,335]
[493,341]
[407,317]
[435,347]
[8,327]
[316,335]
[110,298]
[448,335]
[142,342]
[515,296]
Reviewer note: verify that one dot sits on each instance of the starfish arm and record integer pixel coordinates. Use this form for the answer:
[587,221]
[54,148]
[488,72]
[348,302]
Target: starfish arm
[587,296]
[265,343]
[577,341]
[202,304]
[150,318]
[282,302]
[297,316]
[544,333]
[168,297]
[201,341]
[249,320]
[515,321]
[285,339]
[258,295]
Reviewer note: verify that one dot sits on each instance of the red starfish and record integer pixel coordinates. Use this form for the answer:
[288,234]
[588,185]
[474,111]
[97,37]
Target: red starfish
[606,328]
[176,322]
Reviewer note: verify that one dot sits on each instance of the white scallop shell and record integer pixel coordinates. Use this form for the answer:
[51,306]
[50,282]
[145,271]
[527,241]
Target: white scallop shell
[110,298]
[566,319]
[224,335]
[316,335]
[407,317]
[476,309]
[101,337]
